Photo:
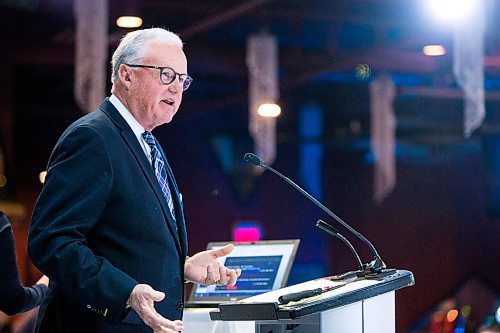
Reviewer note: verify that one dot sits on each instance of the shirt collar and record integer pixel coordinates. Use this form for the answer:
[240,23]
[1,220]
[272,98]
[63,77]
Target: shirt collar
[129,118]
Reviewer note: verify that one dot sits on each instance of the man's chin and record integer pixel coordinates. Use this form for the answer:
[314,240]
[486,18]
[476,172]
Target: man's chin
[165,120]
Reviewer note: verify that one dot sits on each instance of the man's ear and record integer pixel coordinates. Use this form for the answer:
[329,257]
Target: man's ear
[124,75]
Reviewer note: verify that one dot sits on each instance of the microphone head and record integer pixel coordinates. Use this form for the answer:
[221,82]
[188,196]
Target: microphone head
[326,227]
[254,159]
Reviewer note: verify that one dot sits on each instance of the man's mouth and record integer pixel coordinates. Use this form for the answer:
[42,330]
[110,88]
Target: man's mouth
[169,101]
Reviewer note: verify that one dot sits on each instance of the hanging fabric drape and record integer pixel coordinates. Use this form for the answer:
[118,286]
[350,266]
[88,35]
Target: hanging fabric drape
[468,65]
[383,136]
[91,52]
[262,63]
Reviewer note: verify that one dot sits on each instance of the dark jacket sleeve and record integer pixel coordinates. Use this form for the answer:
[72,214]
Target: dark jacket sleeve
[75,193]
[14,297]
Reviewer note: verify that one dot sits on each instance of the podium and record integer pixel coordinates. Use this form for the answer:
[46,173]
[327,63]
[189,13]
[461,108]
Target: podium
[355,305]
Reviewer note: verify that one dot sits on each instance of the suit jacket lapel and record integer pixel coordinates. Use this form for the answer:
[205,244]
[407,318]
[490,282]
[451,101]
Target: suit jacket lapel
[131,141]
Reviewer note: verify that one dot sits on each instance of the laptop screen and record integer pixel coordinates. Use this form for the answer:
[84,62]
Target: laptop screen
[265,266]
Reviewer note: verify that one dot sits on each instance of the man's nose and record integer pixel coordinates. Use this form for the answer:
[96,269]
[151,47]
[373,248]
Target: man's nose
[175,86]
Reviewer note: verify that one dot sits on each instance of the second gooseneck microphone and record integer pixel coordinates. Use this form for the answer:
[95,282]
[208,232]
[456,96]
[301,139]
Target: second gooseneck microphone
[376,266]
[334,232]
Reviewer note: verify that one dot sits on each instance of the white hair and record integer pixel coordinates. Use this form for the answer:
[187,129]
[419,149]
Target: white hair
[130,48]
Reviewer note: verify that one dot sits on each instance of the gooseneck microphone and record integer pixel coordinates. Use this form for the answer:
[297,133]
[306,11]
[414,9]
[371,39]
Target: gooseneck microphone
[334,232]
[255,160]
[376,266]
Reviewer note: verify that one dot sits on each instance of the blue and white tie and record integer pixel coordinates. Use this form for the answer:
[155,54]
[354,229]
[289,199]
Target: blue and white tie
[159,169]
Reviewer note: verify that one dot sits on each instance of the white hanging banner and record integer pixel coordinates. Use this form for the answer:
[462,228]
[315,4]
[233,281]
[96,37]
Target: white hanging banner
[262,63]
[383,136]
[91,52]
[468,65]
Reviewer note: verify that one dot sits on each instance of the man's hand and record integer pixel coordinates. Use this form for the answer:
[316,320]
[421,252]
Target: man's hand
[43,280]
[203,268]
[142,301]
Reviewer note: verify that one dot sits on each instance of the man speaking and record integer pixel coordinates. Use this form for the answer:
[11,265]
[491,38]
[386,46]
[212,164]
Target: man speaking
[108,228]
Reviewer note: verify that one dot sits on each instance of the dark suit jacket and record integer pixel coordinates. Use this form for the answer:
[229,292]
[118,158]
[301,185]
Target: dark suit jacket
[102,225]
[14,297]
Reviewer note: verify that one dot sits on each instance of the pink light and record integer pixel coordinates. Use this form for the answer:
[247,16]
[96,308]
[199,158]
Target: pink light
[246,234]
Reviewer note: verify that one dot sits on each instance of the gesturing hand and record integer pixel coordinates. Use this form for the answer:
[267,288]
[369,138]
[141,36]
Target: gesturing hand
[142,300]
[204,268]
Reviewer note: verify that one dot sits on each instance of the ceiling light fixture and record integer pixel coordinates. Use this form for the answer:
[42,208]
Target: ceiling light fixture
[434,50]
[129,22]
[269,110]
[451,10]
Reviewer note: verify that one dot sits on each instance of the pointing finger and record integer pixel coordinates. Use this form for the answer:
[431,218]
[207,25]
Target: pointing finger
[223,251]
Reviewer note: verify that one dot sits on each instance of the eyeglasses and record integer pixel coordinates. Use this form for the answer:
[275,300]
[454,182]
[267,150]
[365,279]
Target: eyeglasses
[168,75]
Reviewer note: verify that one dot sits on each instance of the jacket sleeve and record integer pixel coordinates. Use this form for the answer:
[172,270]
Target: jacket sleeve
[75,193]
[14,297]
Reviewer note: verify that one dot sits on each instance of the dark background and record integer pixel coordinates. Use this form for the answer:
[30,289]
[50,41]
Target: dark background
[442,220]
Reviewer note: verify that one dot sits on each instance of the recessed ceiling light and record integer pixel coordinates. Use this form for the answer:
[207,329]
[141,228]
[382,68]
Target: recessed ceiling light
[129,22]
[269,110]
[434,50]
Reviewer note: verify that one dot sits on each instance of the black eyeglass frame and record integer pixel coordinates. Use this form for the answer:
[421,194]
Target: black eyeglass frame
[185,83]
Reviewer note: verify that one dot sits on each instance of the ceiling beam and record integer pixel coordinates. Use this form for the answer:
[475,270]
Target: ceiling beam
[226,16]
[443,92]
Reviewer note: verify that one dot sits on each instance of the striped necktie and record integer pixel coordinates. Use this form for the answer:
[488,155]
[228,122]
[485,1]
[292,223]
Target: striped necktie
[159,169]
